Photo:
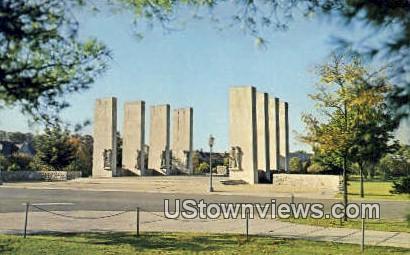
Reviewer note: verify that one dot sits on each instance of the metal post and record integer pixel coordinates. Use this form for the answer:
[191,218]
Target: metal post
[211,189]
[26,219]
[211,144]
[138,221]
[362,243]
[247,225]
[292,201]
[1,177]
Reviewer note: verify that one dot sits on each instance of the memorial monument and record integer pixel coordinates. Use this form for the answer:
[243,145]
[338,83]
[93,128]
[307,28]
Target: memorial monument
[133,152]
[284,136]
[182,137]
[243,134]
[105,139]
[262,125]
[159,159]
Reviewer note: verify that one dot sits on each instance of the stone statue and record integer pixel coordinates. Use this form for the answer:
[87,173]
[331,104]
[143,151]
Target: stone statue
[146,155]
[138,160]
[238,157]
[186,159]
[107,159]
[232,158]
[164,159]
[170,158]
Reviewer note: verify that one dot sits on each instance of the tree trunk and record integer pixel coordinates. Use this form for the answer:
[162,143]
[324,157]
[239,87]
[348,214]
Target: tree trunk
[361,181]
[345,201]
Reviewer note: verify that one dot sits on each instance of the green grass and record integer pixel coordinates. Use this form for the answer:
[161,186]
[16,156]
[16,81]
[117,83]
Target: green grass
[379,225]
[374,190]
[174,243]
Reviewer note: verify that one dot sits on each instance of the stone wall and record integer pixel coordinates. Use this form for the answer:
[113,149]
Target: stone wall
[39,175]
[307,182]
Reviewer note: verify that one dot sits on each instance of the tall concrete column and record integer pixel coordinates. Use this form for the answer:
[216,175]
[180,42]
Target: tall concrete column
[133,158]
[182,140]
[274,138]
[159,158]
[284,135]
[243,133]
[262,124]
[105,138]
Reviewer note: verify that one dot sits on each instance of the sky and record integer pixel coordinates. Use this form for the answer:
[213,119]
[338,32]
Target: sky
[195,67]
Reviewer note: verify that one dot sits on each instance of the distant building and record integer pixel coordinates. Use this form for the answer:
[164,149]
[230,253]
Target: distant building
[8,148]
[303,156]
[217,158]
[26,148]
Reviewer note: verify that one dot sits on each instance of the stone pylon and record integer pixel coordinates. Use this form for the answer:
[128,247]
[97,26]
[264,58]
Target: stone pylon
[133,153]
[243,134]
[159,158]
[182,140]
[105,138]
[274,138]
[284,136]
[262,124]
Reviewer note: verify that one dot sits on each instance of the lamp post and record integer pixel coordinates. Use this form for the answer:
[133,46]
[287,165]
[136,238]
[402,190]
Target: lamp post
[211,144]
[1,176]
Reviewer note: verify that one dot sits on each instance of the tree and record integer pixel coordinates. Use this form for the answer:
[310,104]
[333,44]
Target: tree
[348,106]
[54,151]
[373,126]
[41,59]
[395,164]
[203,168]
[295,165]
[401,186]
[83,154]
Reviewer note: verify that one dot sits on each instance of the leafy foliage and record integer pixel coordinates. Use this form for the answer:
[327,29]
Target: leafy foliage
[54,150]
[396,164]
[41,59]
[402,186]
[295,165]
[16,162]
[354,124]
[83,154]
[202,168]
[353,119]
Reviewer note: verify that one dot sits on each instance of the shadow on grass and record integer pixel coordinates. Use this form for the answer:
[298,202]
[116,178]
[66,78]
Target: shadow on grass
[152,241]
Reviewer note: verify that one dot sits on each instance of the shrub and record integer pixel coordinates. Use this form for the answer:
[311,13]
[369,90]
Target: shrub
[16,162]
[20,162]
[202,168]
[54,150]
[295,165]
[315,168]
[401,186]
[4,163]
[38,165]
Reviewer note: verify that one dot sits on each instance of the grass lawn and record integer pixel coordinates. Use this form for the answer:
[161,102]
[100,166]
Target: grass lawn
[374,190]
[174,243]
[380,225]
